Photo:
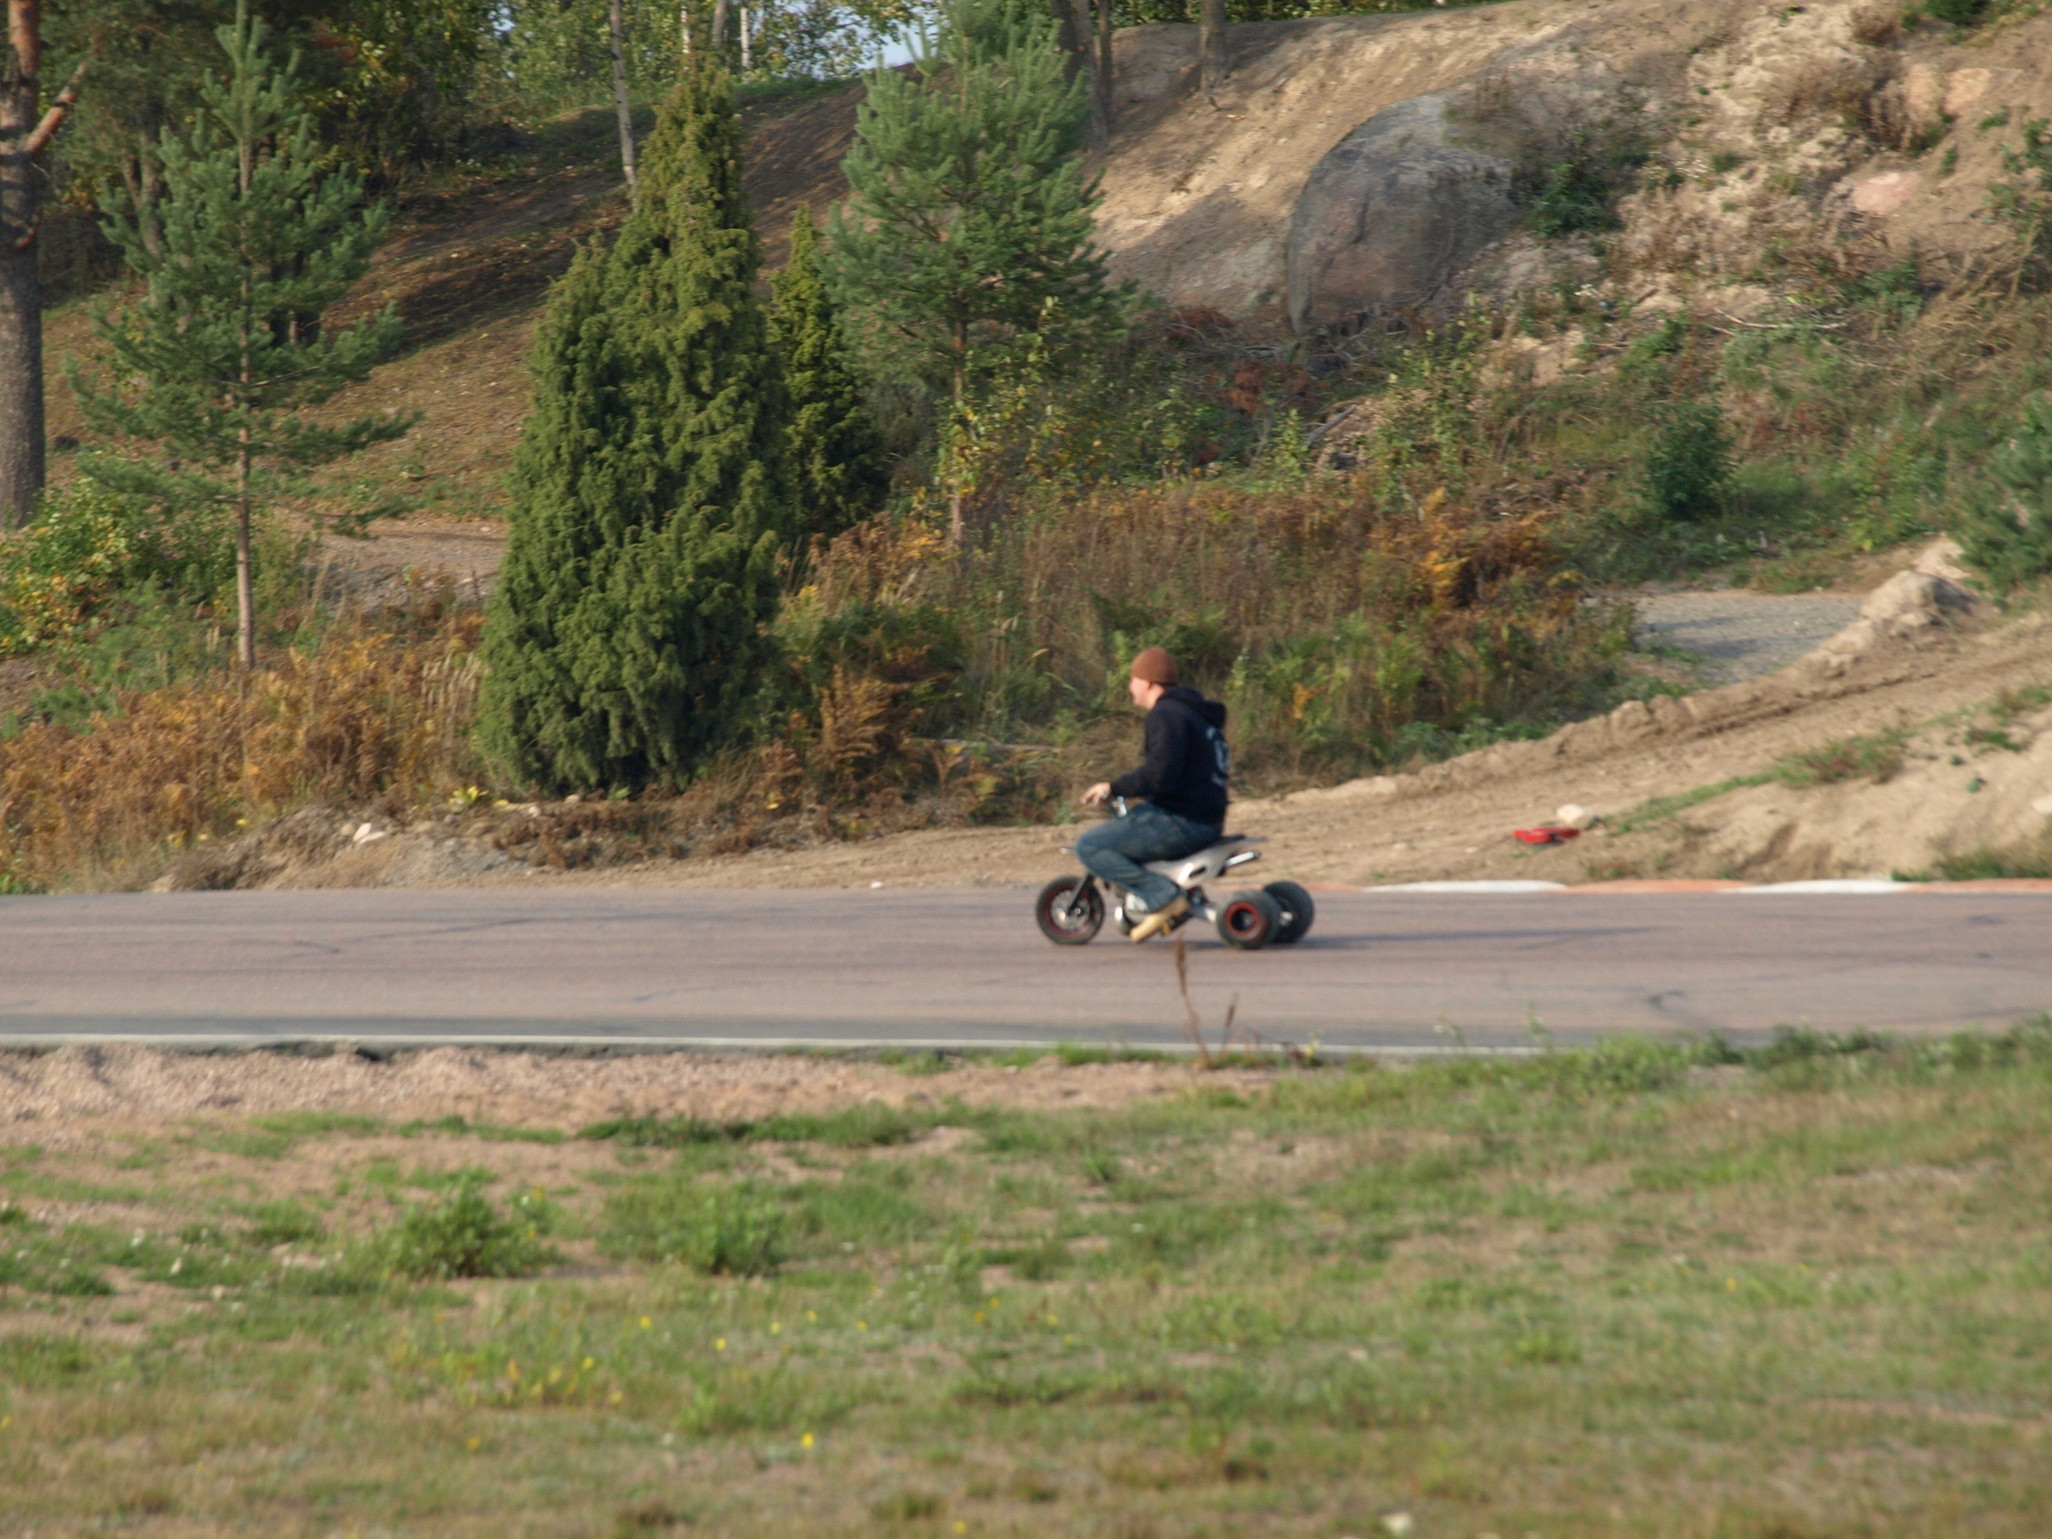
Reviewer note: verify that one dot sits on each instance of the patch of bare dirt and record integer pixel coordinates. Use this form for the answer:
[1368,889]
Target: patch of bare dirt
[392,563]
[127,1086]
[20,678]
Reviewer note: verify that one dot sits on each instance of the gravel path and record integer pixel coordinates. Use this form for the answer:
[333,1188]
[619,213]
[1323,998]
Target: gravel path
[375,572]
[1739,635]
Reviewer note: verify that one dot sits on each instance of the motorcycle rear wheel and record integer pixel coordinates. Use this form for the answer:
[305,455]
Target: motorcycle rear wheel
[1297,910]
[1249,920]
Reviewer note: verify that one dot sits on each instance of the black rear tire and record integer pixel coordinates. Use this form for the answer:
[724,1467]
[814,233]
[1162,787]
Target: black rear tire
[1247,921]
[1297,910]
[1084,916]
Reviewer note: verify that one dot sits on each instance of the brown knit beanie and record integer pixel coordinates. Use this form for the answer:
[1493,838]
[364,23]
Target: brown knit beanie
[1155,666]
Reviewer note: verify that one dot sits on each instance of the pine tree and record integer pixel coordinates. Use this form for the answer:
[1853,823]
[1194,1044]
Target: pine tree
[969,218]
[626,635]
[838,472]
[254,238]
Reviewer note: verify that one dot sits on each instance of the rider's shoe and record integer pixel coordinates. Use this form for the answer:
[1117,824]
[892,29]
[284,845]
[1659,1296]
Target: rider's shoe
[1161,919]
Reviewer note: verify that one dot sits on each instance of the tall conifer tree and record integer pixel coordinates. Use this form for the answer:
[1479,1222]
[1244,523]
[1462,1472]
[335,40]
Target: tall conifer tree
[837,466]
[625,638]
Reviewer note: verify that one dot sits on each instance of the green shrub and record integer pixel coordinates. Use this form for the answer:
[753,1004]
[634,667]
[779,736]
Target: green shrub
[1688,463]
[734,1230]
[2010,538]
[1575,197]
[1579,191]
[63,576]
[463,1235]
[1960,13]
[2023,204]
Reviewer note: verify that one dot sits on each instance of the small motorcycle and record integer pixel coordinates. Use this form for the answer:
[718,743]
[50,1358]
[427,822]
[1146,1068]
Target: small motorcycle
[1071,909]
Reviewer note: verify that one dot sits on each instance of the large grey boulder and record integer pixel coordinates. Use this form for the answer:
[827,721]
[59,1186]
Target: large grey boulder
[1390,215]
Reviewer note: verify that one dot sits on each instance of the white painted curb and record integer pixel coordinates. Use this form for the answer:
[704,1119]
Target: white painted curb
[1868,885]
[1484,887]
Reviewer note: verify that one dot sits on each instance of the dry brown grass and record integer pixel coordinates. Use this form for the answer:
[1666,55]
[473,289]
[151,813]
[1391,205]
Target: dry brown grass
[1341,629]
[1878,26]
[370,713]
[1828,87]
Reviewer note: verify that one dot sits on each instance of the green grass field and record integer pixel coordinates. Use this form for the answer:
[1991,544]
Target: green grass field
[1644,1290]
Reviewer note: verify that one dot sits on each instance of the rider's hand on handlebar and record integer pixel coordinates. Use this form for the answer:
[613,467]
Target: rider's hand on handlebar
[1098,794]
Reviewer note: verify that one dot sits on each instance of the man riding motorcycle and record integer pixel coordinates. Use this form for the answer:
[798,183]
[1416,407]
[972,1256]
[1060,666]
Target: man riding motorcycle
[1183,779]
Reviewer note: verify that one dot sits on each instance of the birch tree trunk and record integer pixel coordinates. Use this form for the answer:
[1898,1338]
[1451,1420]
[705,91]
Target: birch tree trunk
[618,26]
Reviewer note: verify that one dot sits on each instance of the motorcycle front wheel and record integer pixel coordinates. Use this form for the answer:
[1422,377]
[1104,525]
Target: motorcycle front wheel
[1068,917]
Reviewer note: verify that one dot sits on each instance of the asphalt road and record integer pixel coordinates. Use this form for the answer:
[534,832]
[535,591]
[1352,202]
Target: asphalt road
[757,968]
[1739,634]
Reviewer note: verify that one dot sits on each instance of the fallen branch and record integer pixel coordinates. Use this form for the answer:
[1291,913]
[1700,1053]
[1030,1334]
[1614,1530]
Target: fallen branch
[1781,325]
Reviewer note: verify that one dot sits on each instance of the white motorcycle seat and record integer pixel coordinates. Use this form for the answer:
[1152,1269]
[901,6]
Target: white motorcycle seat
[1209,863]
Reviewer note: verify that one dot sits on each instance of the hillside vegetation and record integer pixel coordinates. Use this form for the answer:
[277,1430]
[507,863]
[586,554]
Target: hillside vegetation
[1771,298]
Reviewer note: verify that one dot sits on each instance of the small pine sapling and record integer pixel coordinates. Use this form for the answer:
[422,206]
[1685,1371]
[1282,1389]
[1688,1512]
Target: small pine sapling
[2009,536]
[248,243]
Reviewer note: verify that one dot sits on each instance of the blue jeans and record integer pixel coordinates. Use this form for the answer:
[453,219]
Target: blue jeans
[1114,849]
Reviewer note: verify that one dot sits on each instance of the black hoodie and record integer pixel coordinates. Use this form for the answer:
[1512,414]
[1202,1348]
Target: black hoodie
[1186,766]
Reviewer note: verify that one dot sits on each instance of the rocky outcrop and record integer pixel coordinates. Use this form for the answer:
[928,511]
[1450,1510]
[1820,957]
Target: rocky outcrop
[1354,167]
[1389,216]
[1929,595]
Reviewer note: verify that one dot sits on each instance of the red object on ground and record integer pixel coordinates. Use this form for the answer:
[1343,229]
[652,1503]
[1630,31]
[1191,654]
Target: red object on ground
[1547,835]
